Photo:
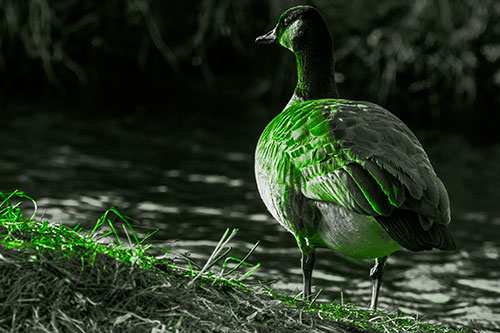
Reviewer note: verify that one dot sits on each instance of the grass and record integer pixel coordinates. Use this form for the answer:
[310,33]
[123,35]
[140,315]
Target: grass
[54,278]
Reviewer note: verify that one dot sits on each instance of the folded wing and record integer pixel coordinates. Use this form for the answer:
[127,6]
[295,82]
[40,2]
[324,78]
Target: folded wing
[360,156]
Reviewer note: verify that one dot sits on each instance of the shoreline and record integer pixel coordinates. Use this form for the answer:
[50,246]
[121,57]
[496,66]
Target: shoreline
[57,278]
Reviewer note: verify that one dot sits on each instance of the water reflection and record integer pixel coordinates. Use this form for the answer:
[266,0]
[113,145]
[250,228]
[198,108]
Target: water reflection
[193,189]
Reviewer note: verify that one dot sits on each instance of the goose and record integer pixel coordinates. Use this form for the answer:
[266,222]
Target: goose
[341,174]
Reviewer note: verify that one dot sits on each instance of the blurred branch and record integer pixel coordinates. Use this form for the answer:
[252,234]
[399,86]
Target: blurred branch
[38,39]
[156,35]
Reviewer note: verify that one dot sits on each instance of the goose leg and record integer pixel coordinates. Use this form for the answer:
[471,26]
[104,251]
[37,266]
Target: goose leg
[307,268]
[377,275]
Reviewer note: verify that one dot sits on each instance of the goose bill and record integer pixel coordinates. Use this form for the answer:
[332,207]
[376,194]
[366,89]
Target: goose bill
[268,38]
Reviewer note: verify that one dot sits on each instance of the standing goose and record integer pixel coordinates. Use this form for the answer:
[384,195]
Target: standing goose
[341,174]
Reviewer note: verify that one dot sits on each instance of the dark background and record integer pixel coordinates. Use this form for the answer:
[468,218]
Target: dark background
[155,107]
[435,64]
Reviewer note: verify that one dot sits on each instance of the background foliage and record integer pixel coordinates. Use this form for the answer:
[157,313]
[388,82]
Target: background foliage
[435,63]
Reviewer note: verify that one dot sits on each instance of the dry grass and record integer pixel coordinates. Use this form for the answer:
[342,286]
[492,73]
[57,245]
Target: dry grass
[57,279]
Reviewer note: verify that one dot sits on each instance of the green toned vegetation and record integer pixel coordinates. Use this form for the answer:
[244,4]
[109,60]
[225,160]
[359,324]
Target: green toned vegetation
[54,278]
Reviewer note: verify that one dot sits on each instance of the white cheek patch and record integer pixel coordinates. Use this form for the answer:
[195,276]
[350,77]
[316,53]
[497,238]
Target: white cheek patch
[293,30]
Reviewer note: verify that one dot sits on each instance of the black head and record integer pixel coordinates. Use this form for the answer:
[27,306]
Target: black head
[298,28]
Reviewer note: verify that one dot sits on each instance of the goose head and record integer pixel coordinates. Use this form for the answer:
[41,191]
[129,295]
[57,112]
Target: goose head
[303,31]
[299,28]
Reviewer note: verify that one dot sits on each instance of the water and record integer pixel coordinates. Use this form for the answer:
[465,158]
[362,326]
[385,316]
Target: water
[192,178]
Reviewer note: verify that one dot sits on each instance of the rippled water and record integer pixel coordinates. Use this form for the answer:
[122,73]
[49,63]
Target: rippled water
[193,178]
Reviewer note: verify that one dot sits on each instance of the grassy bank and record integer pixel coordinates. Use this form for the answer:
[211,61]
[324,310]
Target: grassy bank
[54,278]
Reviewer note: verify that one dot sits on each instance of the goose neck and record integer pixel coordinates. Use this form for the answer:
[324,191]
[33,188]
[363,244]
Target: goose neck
[315,74]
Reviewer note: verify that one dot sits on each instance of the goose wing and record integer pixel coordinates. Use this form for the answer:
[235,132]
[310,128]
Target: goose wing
[360,156]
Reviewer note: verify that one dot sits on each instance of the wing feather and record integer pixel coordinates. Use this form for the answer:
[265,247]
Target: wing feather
[339,187]
[365,159]
[387,182]
[404,228]
[378,200]
[413,188]
[358,194]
